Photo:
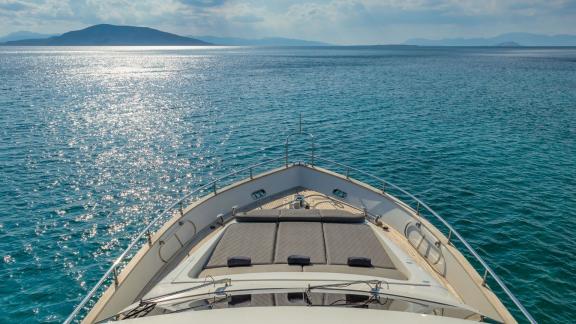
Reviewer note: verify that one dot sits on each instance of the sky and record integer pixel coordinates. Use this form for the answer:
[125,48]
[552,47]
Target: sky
[334,21]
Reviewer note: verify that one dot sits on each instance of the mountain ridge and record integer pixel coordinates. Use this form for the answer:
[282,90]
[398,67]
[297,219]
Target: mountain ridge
[523,39]
[24,35]
[266,41]
[112,35]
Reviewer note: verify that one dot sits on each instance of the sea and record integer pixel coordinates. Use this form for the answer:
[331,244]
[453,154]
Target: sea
[96,141]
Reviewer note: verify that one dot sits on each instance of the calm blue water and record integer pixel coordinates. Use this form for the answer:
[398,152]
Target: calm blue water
[93,142]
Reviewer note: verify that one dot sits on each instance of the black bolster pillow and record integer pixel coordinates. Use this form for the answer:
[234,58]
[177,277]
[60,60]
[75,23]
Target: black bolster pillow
[239,261]
[299,260]
[360,262]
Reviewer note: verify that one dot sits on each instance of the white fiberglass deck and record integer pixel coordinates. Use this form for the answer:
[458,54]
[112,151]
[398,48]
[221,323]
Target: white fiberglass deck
[298,236]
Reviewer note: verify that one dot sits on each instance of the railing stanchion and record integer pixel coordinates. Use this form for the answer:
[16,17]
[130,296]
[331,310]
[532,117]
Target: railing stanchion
[214,188]
[149,237]
[484,277]
[251,176]
[181,209]
[115,277]
[383,187]
[348,173]
[449,237]
[312,161]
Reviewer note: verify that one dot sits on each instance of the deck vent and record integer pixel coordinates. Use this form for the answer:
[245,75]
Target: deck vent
[339,193]
[258,194]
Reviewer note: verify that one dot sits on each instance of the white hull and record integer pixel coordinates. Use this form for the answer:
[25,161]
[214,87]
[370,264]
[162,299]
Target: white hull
[426,254]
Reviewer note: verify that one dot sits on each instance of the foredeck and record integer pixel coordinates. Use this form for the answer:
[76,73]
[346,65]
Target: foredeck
[288,238]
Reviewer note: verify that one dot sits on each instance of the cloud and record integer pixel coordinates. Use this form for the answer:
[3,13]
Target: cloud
[340,21]
[12,6]
[247,19]
[204,3]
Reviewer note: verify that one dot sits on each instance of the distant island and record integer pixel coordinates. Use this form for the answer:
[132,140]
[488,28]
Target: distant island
[22,35]
[112,35]
[269,41]
[508,44]
[512,39]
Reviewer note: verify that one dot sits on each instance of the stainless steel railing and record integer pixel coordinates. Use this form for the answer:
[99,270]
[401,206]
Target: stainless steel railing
[112,272]
[451,231]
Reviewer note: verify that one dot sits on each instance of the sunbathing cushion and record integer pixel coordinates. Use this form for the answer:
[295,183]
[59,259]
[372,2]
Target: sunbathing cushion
[354,240]
[251,240]
[340,216]
[258,215]
[299,215]
[300,238]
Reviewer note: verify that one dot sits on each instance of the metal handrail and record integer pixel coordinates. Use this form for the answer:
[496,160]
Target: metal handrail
[113,269]
[452,231]
[300,132]
[288,142]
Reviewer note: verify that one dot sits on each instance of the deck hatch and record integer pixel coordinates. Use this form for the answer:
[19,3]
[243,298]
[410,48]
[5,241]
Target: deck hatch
[339,193]
[258,194]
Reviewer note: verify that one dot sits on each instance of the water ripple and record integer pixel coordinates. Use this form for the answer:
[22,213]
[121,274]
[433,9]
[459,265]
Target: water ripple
[93,143]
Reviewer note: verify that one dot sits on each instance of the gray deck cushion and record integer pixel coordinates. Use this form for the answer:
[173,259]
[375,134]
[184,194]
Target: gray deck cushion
[252,240]
[354,240]
[340,216]
[300,238]
[258,215]
[299,215]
